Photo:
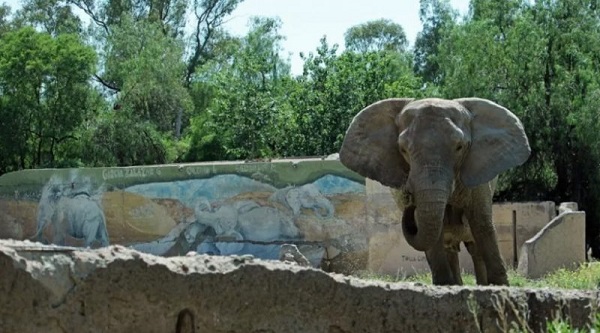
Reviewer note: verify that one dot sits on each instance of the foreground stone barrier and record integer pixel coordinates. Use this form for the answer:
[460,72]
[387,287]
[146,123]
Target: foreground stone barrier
[117,289]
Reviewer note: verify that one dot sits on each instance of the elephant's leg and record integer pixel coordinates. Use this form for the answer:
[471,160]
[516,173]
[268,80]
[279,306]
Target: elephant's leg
[484,234]
[441,272]
[60,228]
[478,264]
[103,234]
[454,265]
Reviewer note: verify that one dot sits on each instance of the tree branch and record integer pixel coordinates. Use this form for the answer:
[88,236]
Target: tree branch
[211,17]
[86,8]
[108,85]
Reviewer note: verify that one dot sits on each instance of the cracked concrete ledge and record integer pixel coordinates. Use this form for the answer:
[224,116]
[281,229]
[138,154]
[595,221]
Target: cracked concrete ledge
[116,289]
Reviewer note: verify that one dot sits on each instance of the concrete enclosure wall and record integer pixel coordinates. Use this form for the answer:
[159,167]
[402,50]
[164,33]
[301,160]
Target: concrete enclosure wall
[389,253]
[218,208]
[339,221]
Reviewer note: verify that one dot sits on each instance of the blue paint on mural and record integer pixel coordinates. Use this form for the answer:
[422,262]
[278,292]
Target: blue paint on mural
[222,215]
[331,184]
[188,191]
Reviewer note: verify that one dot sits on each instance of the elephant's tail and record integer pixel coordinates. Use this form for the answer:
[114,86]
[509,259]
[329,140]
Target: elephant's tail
[37,237]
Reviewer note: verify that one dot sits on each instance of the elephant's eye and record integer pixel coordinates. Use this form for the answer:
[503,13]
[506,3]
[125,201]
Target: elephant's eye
[459,147]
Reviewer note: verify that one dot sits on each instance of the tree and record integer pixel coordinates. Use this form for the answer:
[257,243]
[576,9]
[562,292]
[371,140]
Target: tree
[170,16]
[5,23]
[52,16]
[247,116]
[437,18]
[333,89]
[540,60]
[377,35]
[45,95]
[148,68]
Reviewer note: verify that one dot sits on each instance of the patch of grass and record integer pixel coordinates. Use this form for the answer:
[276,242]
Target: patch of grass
[563,326]
[587,276]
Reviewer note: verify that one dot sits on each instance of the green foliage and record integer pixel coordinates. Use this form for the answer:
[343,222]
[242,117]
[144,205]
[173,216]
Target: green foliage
[119,138]
[586,277]
[247,116]
[377,35]
[148,68]
[437,17]
[45,95]
[333,89]
[5,23]
[52,16]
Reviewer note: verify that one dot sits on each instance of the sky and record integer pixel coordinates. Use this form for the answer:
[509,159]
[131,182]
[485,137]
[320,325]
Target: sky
[304,22]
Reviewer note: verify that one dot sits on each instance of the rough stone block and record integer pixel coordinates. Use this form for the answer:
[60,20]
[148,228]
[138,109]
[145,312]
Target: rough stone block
[516,222]
[567,206]
[560,244]
[116,289]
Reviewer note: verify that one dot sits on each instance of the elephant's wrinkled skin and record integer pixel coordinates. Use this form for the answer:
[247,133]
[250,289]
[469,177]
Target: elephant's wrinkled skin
[442,157]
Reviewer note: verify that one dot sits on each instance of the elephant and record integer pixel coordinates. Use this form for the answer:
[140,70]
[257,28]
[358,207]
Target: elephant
[73,212]
[265,224]
[245,219]
[306,196]
[229,243]
[222,219]
[441,158]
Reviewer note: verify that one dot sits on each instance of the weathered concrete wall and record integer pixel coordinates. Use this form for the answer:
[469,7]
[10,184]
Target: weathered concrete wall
[116,289]
[216,208]
[389,253]
[340,221]
[560,244]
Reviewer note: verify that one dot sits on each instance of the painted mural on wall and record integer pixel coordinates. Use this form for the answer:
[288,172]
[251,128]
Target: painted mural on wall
[71,208]
[219,209]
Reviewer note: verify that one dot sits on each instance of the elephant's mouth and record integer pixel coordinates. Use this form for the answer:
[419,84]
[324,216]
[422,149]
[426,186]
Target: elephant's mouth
[408,220]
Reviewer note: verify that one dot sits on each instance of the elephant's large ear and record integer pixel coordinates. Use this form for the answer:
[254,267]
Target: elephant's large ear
[370,146]
[498,142]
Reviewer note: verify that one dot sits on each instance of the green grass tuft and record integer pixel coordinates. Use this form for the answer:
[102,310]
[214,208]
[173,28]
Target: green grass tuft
[587,276]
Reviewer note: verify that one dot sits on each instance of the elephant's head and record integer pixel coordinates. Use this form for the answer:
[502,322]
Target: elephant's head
[426,146]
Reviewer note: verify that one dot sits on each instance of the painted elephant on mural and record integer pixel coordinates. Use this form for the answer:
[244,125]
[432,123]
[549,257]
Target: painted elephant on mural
[71,210]
[442,158]
[304,197]
[251,220]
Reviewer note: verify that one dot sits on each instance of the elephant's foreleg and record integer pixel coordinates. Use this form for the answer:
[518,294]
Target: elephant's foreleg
[61,227]
[441,271]
[478,264]
[484,234]
[454,265]
[103,235]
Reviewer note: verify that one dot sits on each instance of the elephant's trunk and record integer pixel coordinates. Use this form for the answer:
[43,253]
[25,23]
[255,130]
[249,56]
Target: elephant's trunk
[422,223]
